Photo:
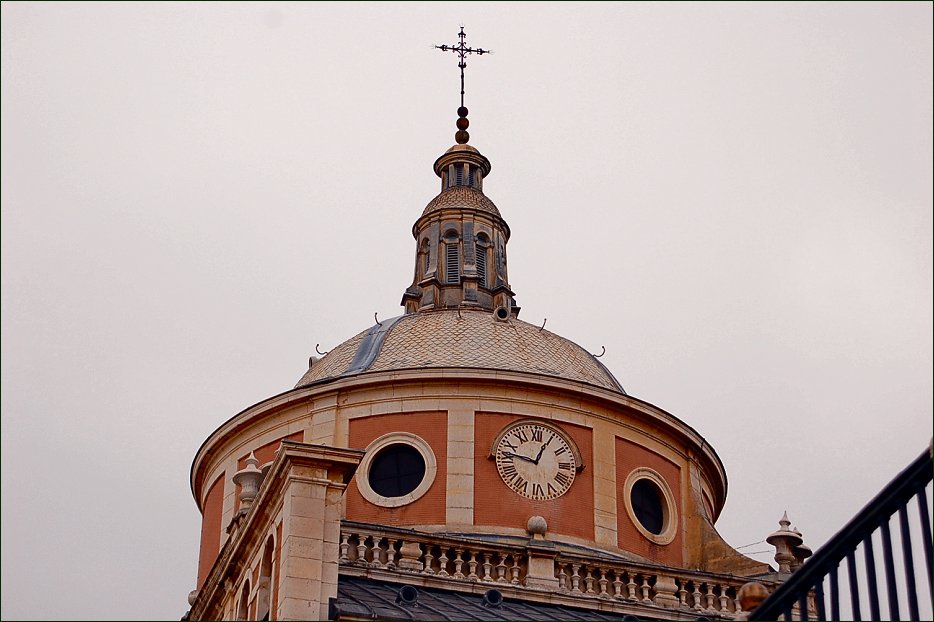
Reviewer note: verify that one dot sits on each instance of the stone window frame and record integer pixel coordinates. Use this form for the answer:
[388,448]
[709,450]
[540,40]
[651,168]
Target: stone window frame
[373,449]
[669,507]
[483,244]
[452,257]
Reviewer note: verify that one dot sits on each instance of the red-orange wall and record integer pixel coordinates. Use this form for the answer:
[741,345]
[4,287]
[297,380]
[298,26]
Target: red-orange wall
[496,504]
[630,456]
[430,508]
[211,528]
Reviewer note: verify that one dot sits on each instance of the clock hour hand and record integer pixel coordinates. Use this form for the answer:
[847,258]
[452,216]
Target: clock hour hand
[519,456]
[542,450]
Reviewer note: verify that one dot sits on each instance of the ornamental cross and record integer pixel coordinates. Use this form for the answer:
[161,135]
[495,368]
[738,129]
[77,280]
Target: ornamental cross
[462,51]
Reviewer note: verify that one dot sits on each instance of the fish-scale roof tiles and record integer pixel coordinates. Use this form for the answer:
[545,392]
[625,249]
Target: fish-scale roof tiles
[464,339]
[461,197]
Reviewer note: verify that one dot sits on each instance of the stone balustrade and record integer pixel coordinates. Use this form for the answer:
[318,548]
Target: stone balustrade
[429,554]
[706,594]
[534,568]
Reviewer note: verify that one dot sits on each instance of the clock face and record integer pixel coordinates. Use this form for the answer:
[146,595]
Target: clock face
[535,460]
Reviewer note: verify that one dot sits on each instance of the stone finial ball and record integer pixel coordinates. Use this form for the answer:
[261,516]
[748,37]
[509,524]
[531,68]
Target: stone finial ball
[751,595]
[192,597]
[461,137]
[463,123]
[537,525]
[462,111]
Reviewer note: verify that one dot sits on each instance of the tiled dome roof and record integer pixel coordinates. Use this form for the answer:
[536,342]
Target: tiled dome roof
[466,339]
[461,197]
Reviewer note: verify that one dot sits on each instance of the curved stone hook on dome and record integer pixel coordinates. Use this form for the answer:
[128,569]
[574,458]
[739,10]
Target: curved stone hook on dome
[318,350]
[602,352]
[542,327]
[376,319]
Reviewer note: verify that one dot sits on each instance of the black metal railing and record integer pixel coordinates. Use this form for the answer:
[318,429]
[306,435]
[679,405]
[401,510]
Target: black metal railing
[808,583]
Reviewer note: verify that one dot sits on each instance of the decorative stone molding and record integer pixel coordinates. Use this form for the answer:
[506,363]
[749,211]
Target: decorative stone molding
[784,540]
[248,478]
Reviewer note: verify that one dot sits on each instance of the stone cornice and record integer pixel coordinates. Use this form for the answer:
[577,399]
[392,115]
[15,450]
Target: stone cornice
[699,449]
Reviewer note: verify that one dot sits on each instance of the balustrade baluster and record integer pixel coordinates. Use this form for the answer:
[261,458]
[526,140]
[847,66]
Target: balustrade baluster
[501,569]
[443,563]
[515,569]
[472,566]
[487,567]
[724,599]
[617,585]
[458,564]
[361,549]
[603,581]
[575,578]
[698,597]
[588,580]
[631,586]
[391,553]
[645,589]
[710,597]
[682,592]
[562,577]
[345,548]
[377,552]
[429,558]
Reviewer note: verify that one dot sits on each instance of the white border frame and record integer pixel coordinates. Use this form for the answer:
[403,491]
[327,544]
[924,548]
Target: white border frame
[669,508]
[396,438]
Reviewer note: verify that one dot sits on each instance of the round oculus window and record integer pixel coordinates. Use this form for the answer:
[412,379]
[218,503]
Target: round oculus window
[651,505]
[647,506]
[396,470]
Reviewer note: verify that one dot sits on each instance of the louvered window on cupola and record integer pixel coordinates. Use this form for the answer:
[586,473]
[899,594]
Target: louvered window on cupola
[452,272]
[471,176]
[458,175]
[481,265]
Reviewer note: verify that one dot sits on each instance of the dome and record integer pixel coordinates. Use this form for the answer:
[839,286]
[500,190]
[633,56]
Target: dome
[464,339]
[462,197]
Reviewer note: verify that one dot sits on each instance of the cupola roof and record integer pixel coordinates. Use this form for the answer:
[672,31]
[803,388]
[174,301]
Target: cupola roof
[461,338]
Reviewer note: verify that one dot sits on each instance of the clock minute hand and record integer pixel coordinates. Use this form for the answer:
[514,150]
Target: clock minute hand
[521,457]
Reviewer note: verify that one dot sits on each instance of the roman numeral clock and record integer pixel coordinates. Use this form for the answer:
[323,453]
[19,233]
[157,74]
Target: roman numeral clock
[535,459]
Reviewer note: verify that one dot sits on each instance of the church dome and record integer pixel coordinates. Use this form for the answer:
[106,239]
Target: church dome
[462,338]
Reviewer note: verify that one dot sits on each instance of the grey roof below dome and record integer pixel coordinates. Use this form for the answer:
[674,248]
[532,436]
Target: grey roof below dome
[461,197]
[367,599]
[466,339]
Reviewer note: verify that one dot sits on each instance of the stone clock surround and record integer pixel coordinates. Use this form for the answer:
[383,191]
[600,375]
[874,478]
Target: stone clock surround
[462,401]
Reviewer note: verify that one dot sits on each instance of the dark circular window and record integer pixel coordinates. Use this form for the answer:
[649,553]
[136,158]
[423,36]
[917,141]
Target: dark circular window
[647,506]
[396,470]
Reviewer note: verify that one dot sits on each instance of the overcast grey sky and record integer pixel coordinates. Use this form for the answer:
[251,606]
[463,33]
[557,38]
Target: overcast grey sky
[734,199]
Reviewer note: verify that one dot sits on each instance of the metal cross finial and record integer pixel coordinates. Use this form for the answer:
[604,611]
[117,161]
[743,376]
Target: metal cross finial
[462,51]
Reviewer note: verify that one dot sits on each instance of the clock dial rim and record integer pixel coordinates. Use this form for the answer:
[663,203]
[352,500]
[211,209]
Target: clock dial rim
[539,469]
